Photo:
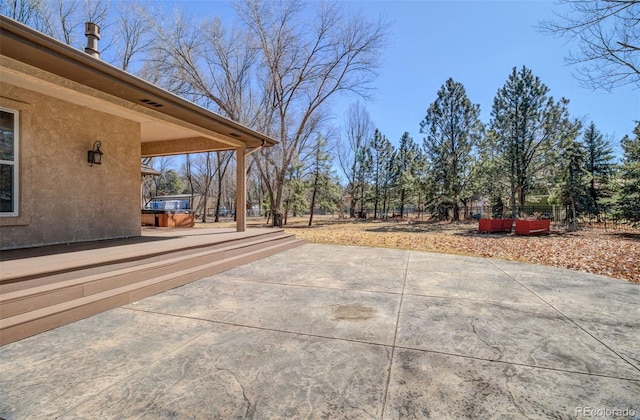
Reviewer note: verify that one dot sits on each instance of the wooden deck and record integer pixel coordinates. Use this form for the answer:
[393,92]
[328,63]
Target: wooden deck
[43,288]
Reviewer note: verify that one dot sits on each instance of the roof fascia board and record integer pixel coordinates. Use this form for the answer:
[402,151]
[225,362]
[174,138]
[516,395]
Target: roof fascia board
[28,77]
[38,43]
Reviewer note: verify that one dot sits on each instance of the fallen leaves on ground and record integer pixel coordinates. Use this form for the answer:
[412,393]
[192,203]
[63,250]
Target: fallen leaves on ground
[610,253]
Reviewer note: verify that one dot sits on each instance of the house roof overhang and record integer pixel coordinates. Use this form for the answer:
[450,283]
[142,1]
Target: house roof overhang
[146,170]
[169,124]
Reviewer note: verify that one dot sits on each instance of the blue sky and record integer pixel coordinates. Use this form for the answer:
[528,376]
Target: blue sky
[477,43]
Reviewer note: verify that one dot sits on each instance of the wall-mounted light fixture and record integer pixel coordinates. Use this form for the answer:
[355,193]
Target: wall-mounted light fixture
[95,156]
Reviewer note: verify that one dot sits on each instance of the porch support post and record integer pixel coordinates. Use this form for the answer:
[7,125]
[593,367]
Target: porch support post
[241,190]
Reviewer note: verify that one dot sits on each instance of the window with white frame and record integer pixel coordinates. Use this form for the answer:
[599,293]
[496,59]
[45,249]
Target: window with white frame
[8,162]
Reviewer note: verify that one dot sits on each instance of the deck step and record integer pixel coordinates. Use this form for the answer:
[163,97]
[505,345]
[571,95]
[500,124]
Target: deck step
[11,282]
[27,299]
[25,312]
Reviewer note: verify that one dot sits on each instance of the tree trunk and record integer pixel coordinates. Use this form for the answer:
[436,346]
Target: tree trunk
[313,199]
[216,219]
[286,212]
[572,224]
[375,202]
[270,194]
[205,198]
[354,190]
[313,203]
[277,203]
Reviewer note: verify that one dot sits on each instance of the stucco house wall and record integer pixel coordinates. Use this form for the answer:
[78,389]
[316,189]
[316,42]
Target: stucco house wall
[61,198]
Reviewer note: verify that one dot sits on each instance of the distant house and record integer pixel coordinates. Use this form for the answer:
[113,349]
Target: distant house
[61,108]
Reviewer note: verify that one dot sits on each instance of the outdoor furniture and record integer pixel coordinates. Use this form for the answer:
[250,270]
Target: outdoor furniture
[532,227]
[495,225]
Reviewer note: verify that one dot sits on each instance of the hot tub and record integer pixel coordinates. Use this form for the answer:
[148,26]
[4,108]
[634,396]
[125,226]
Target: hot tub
[167,218]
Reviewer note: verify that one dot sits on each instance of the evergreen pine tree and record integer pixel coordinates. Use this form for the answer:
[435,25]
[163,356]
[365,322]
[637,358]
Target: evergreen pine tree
[453,130]
[407,169]
[295,200]
[530,129]
[488,172]
[382,152]
[423,182]
[169,183]
[390,182]
[363,178]
[599,165]
[628,198]
[573,190]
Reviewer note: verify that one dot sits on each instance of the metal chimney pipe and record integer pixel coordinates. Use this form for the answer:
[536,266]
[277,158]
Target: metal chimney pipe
[92,32]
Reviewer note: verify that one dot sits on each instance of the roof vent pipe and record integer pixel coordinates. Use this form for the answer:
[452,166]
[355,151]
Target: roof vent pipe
[92,32]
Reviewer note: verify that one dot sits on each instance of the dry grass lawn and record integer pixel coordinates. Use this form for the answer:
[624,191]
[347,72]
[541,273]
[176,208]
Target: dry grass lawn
[611,253]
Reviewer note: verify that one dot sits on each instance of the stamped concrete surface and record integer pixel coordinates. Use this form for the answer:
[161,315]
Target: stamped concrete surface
[345,332]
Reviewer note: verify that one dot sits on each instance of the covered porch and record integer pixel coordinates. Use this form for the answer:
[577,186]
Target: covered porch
[46,287]
[71,237]
[96,103]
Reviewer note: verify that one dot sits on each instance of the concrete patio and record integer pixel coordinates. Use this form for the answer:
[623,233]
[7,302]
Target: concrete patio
[345,332]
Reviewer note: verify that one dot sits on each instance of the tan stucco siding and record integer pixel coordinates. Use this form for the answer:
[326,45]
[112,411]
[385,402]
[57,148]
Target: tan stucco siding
[62,198]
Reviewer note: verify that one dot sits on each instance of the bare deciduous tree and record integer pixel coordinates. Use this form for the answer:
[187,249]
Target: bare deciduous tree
[187,174]
[199,60]
[24,11]
[222,164]
[132,34]
[96,11]
[60,19]
[161,164]
[201,169]
[56,18]
[608,35]
[350,152]
[124,28]
[274,75]
[306,63]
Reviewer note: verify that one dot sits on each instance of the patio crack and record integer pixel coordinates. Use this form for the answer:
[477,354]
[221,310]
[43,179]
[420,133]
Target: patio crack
[486,341]
[250,412]
[508,373]
[395,336]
